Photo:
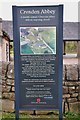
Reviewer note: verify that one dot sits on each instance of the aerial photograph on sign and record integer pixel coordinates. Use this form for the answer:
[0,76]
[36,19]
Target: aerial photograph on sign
[37,40]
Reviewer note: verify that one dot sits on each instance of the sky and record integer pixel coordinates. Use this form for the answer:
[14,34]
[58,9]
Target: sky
[70,7]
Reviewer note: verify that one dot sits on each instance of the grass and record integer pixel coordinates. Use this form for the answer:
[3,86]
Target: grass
[72,116]
[47,116]
[27,116]
[71,47]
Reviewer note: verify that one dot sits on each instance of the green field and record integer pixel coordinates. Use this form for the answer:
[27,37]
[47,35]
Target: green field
[26,50]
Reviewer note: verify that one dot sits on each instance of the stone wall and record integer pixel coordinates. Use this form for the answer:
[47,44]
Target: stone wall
[8,95]
[71,87]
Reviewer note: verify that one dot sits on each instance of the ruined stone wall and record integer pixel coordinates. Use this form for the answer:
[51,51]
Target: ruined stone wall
[71,88]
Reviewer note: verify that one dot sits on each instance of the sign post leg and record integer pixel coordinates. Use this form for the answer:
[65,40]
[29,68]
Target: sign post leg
[16,110]
[34,112]
[17,115]
[60,115]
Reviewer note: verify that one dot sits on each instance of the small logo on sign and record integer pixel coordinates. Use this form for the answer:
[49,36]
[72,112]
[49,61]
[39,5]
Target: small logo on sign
[38,100]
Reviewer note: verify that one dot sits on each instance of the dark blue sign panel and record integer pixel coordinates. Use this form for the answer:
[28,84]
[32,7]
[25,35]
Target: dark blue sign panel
[38,56]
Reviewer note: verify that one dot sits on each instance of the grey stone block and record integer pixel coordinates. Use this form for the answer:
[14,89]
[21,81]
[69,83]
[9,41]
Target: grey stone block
[10,72]
[74,95]
[65,89]
[7,105]
[75,107]
[10,82]
[66,96]
[9,96]
[72,89]
[72,72]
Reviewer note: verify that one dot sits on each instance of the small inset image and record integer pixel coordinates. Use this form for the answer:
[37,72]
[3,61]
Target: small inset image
[37,40]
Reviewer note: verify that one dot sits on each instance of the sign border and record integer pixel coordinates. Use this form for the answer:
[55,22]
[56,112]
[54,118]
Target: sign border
[60,57]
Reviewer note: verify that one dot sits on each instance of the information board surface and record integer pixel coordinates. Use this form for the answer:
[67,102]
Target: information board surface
[38,55]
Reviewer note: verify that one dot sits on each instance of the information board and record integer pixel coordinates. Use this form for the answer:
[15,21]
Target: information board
[38,56]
